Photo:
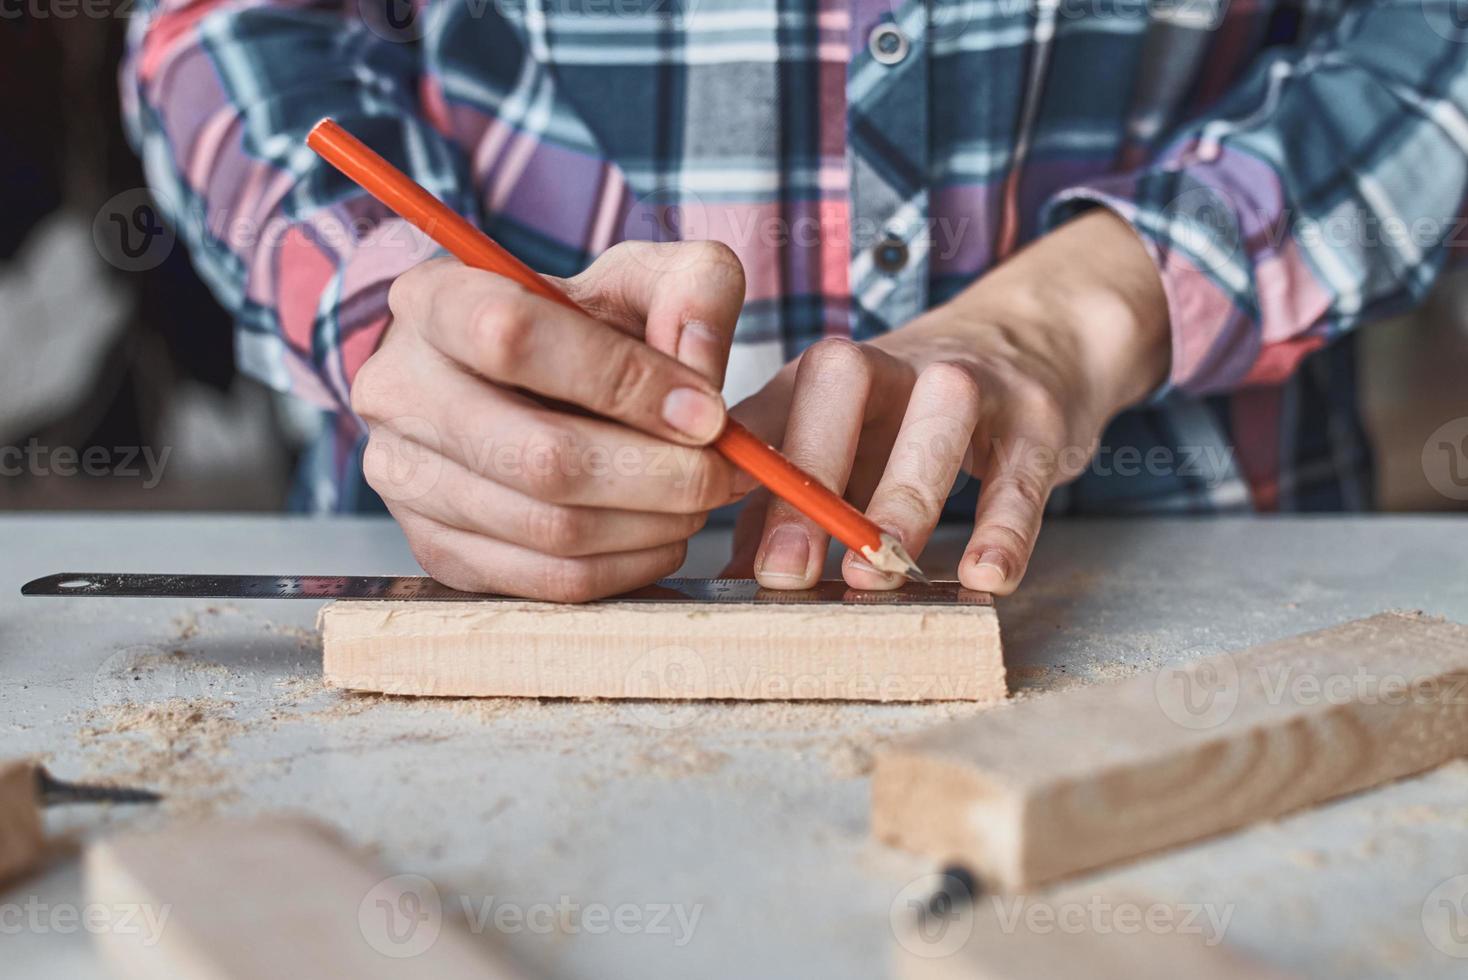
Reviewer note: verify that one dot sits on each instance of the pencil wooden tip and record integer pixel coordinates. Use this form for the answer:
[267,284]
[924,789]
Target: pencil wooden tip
[893,559]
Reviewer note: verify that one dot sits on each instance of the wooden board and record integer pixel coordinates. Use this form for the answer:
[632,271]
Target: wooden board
[22,838]
[1080,779]
[1100,936]
[666,650]
[272,897]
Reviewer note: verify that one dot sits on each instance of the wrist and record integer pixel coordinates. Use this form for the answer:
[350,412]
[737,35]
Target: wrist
[1091,286]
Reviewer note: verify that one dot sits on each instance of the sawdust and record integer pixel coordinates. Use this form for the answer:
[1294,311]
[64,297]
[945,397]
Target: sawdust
[679,759]
[1310,860]
[171,746]
[848,758]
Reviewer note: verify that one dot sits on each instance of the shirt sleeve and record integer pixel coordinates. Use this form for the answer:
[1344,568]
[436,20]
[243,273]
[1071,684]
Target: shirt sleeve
[1326,189]
[218,96]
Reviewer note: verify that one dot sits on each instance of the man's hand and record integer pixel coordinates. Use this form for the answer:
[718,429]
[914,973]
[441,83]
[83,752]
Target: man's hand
[1013,381]
[481,445]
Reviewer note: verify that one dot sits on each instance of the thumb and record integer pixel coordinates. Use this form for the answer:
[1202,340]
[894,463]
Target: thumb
[681,298]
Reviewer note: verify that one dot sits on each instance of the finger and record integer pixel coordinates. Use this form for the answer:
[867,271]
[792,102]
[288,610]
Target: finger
[1011,507]
[462,499]
[748,527]
[473,563]
[550,456]
[502,332]
[936,433]
[681,298]
[827,409]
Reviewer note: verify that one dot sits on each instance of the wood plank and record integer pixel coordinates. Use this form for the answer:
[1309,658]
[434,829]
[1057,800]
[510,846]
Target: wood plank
[1087,777]
[22,837]
[747,651]
[1100,936]
[272,897]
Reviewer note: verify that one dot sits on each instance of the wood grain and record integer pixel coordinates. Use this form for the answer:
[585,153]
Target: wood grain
[1087,777]
[666,650]
[22,838]
[271,897]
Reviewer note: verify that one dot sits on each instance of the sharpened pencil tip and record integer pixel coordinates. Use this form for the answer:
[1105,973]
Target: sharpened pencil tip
[916,574]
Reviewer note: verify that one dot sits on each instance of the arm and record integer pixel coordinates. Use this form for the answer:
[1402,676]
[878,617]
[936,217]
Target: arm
[218,96]
[1322,191]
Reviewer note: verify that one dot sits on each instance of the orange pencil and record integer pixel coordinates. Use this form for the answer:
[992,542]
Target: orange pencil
[474,248]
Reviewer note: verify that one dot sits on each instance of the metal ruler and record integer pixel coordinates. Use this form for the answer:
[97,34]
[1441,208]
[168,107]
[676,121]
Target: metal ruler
[126,585]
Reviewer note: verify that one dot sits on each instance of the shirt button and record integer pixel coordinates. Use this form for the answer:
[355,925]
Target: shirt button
[890,254]
[888,44]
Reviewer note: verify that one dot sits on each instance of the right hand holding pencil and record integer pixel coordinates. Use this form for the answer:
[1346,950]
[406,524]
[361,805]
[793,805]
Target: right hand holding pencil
[480,440]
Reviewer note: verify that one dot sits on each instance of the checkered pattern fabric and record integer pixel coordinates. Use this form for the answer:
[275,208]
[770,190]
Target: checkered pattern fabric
[1294,168]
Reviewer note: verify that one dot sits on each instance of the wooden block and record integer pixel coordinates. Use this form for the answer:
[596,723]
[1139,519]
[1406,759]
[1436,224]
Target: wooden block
[22,838]
[1098,936]
[1080,779]
[875,652]
[271,897]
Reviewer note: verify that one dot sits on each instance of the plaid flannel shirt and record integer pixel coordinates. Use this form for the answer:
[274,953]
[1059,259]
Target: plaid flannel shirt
[1294,168]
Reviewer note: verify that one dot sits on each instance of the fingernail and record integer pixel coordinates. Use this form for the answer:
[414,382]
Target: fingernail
[862,565]
[993,558]
[697,414]
[787,556]
[699,347]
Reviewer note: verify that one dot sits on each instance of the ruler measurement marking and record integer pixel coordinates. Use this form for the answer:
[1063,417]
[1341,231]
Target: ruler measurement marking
[422,588]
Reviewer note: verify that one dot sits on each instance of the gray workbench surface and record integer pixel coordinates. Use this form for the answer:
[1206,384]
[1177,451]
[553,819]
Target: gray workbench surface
[753,818]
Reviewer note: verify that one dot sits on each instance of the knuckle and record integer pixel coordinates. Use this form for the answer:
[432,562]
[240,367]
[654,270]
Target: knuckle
[403,291]
[952,379]
[503,327]
[556,530]
[1029,490]
[839,356]
[626,379]
[431,551]
[367,394]
[570,581]
[908,499]
[718,261]
[547,464]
